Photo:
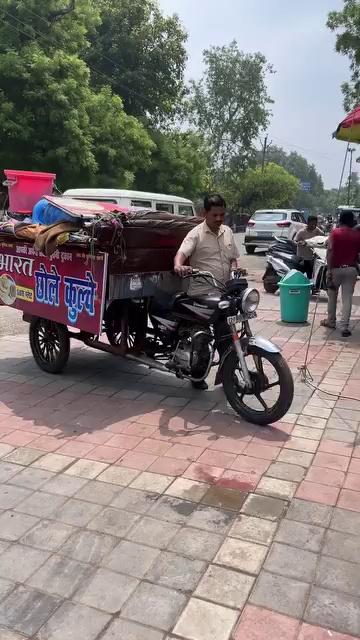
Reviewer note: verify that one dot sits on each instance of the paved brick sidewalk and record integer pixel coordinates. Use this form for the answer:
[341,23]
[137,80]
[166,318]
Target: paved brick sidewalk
[133,507]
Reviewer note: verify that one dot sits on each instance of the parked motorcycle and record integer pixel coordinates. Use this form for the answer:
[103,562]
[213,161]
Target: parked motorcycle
[282,258]
[182,333]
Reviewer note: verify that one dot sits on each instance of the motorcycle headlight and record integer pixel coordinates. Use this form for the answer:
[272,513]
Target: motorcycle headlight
[250,300]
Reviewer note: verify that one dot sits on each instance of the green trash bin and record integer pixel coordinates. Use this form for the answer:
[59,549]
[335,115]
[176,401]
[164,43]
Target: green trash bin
[295,292]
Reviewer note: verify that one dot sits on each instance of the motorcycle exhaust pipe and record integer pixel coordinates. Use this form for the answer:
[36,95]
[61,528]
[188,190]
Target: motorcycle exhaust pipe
[118,351]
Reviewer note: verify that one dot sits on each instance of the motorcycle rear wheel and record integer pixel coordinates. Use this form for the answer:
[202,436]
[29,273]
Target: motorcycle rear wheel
[235,394]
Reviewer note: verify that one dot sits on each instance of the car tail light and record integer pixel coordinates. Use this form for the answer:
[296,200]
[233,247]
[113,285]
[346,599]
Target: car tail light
[251,223]
[283,224]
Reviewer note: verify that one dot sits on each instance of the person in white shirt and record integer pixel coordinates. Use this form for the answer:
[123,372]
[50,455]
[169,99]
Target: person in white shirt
[210,247]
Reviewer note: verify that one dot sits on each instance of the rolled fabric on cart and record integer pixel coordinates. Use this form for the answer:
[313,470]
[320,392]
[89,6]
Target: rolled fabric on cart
[46,238]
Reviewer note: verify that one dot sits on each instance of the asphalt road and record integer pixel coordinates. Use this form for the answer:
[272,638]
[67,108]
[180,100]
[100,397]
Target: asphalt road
[11,321]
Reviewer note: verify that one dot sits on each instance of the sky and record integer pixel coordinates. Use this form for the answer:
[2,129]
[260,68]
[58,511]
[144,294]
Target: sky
[294,38]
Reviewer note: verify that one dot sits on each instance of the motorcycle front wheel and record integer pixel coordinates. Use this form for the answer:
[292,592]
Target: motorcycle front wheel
[273,386]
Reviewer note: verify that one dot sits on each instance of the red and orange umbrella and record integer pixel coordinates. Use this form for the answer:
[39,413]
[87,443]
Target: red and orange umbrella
[349,129]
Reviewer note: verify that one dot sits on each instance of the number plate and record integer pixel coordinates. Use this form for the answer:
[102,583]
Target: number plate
[241,317]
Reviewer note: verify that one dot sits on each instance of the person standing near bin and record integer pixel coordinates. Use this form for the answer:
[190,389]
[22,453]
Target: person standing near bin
[303,251]
[342,259]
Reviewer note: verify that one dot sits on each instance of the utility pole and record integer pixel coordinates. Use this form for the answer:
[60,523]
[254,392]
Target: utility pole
[266,146]
[351,151]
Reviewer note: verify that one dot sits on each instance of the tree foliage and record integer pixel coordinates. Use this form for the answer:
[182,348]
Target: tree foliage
[229,105]
[346,24]
[50,118]
[179,165]
[141,53]
[255,189]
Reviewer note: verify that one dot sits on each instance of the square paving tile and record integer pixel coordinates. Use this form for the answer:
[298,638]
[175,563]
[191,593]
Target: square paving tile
[31,478]
[53,462]
[187,489]
[205,621]
[224,586]
[24,456]
[134,500]
[211,519]
[64,485]
[318,493]
[281,594]
[26,610]
[331,461]
[76,512]
[224,498]
[195,543]
[152,482]
[340,575]
[349,500]
[11,496]
[255,624]
[106,590]
[346,521]
[113,521]
[40,504]
[176,572]
[276,488]
[18,562]
[60,576]
[88,546]
[241,555]
[253,529]
[291,562]
[89,469]
[151,603]
[172,509]
[305,536]
[335,610]
[310,512]
[263,507]
[300,458]
[156,533]
[13,525]
[342,545]
[285,471]
[47,535]
[74,621]
[131,631]
[98,492]
[132,559]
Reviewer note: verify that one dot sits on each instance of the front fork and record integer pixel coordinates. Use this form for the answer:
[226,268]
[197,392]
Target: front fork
[240,353]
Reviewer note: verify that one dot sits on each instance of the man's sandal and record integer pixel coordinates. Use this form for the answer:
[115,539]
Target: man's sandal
[325,323]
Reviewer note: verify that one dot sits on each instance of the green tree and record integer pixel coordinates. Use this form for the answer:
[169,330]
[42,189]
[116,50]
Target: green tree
[141,53]
[256,189]
[229,106]
[179,165]
[299,167]
[50,118]
[346,24]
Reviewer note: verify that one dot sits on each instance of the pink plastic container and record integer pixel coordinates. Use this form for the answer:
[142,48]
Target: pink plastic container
[26,188]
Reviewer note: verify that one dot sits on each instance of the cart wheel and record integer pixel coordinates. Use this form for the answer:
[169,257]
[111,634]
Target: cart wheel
[50,344]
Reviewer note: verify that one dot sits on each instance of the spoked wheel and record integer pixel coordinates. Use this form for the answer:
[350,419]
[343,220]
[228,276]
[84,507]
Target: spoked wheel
[272,386]
[50,344]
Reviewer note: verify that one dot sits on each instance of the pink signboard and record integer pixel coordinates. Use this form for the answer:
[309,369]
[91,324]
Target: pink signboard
[69,287]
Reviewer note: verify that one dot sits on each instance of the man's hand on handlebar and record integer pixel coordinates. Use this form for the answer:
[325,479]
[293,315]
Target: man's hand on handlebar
[183,270]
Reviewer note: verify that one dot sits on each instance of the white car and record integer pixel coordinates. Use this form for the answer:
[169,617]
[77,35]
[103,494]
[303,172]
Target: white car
[265,224]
